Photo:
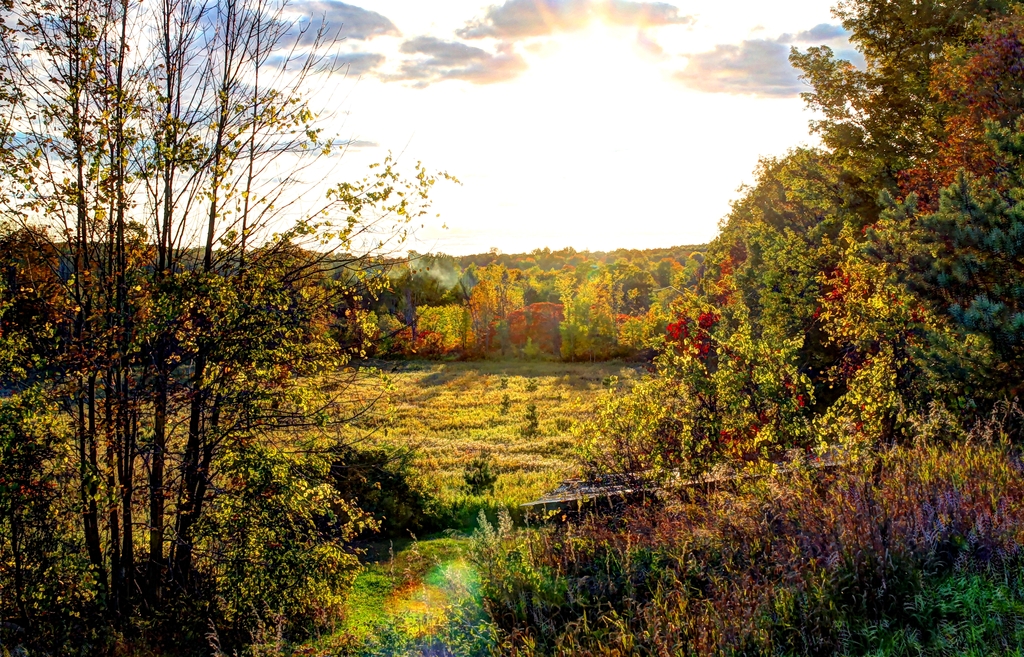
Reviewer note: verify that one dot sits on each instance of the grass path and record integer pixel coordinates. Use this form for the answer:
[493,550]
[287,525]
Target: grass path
[419,598]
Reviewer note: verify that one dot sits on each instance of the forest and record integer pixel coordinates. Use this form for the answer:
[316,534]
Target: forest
[561,304]
[234,423]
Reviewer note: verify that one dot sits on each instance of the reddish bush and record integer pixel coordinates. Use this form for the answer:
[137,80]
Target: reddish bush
[693,336]
[538,322]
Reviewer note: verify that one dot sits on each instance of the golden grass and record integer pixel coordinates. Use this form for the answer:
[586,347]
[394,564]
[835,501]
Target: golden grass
[451,412]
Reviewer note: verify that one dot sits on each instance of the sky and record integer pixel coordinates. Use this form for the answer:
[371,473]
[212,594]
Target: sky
[595,124]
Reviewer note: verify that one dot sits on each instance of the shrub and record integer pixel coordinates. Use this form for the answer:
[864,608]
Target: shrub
[267,545]
[479,474]
[532,427]
[47,589]
[382,482]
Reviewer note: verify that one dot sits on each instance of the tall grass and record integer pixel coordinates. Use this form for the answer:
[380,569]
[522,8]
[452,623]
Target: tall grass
[521,413]
[913,551]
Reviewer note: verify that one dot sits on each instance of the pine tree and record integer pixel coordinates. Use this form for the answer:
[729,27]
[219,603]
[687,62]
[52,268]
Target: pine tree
[977,239]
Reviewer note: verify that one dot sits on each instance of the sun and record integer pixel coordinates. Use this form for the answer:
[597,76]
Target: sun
[596,60]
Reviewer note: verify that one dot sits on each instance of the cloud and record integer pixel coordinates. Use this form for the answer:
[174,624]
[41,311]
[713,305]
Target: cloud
[644,14]
[340,21]
[518,19]
[822,33]
[359,143]
[525,18]
[649,46]
[758,67]
[353,63]
[436,60]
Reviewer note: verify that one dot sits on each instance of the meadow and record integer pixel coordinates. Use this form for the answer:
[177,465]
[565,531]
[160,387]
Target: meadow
[191,463]
[450,413]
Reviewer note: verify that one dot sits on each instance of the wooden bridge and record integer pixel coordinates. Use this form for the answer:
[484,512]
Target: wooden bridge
[610,492]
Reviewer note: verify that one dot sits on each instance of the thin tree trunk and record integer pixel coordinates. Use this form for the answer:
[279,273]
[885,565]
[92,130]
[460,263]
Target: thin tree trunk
[19,569]
[156,492]
[196,461]
[93,536]
[127,494]
[88,474]
[113,519]
[189,505]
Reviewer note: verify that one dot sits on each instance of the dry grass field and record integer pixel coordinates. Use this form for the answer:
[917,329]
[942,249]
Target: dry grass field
[450,413]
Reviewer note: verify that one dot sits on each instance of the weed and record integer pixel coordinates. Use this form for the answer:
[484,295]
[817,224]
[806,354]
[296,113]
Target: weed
[913,551]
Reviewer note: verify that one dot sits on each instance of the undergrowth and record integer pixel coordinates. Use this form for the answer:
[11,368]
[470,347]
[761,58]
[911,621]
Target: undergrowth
[913,551]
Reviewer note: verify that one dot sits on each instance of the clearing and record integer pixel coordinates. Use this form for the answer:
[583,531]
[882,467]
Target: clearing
[452,412]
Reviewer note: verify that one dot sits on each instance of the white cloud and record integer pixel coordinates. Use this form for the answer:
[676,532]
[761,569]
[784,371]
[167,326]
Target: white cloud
[436,59]
[517,19]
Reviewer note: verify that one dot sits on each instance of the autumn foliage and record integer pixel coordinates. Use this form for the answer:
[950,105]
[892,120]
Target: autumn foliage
[537,324]
[982,86]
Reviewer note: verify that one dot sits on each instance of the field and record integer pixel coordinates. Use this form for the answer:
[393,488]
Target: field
[452,412]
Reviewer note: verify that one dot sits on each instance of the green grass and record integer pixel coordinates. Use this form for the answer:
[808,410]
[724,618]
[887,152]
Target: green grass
[411,587]
[412,598]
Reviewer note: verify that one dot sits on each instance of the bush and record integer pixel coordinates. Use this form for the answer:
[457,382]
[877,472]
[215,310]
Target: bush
[47,589]
[532,427]
[382,483]
[479,474]
[266,546]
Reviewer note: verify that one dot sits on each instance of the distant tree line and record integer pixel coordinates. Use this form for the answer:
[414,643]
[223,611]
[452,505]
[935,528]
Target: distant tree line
[545,304]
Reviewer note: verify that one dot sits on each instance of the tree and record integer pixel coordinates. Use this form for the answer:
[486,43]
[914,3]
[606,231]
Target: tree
[965,262]
[169,295]
[588,326]
[977,84]
[538,325]
[496,294]
[883,119]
